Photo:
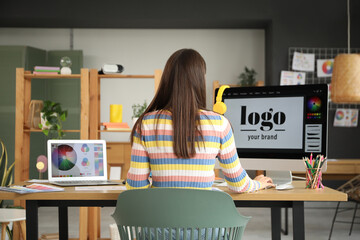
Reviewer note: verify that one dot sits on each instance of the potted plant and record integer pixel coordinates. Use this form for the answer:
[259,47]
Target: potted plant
[6,172]
[52,117]
[247,78]
[6,176]
[138,109]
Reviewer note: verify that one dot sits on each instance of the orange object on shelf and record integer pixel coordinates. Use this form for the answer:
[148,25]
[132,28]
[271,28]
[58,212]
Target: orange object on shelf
[116,125]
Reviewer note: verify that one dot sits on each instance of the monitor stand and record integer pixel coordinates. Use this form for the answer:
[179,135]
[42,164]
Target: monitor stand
[279,177]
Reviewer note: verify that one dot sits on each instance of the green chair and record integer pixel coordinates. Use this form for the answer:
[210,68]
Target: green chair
[182,213]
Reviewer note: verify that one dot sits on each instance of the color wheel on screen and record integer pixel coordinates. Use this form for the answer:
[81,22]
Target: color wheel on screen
[85,148]
[64,157]
[85,162]
[314,104]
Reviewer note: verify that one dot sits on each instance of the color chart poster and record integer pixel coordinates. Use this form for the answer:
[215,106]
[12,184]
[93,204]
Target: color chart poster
[303,62]
[324,67]
[292,78]
[346,117]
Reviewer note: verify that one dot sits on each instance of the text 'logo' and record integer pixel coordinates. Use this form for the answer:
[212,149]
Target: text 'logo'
[267,120]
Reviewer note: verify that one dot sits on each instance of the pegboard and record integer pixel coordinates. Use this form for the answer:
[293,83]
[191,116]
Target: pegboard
[322,53]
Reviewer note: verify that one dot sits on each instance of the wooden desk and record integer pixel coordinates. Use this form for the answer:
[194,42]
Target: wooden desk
[269,198]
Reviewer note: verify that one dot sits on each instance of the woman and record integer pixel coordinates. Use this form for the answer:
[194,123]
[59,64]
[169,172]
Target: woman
[178,140]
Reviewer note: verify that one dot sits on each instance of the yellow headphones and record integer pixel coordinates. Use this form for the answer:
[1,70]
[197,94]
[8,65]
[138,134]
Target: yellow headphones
[219,106]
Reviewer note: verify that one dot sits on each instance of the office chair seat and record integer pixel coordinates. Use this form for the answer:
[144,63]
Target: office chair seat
[168,213]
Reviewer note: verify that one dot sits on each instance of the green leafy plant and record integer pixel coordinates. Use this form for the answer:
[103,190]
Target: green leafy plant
[6,170]
[247,78]
[138,109]
[53,116]
[6,178]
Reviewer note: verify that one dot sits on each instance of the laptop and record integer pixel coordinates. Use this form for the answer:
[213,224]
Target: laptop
[77,163]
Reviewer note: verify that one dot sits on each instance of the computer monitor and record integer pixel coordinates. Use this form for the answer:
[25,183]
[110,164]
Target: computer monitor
[276,126]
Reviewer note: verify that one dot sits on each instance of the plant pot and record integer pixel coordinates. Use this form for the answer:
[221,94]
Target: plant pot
[34,113]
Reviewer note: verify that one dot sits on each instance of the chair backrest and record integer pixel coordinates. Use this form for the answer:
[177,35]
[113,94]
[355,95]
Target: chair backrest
[352,188]
[181,210]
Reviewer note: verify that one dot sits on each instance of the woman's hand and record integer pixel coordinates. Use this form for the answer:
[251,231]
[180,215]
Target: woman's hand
[266,182]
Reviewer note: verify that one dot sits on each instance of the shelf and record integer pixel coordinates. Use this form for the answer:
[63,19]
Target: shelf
[125,130]
[95,80]
[39,130]
[124,76]
[23,99]
[45,76]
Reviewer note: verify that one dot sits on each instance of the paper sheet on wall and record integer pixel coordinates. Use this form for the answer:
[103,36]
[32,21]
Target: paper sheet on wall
[346,117]
[292,78]
[324,67]
[303,62]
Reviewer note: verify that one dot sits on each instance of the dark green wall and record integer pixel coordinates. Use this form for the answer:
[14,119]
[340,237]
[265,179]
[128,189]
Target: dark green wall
[12,57]
[64,91]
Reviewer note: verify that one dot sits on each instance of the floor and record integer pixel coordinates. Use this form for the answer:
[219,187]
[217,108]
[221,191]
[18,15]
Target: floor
[318,218]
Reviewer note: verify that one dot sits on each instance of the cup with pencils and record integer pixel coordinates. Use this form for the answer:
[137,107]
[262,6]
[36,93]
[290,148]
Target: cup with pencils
[313,171]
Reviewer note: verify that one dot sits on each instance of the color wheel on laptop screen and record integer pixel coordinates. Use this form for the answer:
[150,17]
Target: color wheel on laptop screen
[64,157]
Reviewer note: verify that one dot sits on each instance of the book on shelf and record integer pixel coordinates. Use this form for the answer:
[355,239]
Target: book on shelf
[40,70]
[116,126]
[45,73]
[33,188]
[46,69]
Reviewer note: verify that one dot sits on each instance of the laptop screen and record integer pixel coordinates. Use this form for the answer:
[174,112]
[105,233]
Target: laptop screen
[77,159]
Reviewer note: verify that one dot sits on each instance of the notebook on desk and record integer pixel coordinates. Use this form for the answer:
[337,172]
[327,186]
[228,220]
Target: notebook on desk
[77,163]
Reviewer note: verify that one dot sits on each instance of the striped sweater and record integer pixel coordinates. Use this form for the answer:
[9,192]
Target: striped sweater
[155,154]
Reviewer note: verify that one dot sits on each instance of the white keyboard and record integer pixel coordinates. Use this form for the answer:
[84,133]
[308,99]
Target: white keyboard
[85,183]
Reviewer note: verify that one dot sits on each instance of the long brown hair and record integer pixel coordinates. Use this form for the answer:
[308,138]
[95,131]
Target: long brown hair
[182,92]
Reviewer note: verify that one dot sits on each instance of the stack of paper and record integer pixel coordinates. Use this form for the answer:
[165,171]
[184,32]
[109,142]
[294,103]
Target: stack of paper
[33,188]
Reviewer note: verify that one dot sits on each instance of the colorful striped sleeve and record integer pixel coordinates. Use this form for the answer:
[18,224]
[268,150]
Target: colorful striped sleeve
[235,176]
[138,174]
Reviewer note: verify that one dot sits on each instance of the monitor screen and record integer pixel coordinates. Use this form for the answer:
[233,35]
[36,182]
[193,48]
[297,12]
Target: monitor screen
[278,122]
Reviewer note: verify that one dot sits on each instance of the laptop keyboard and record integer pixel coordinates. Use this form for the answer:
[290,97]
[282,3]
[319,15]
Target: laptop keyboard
[85,183]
